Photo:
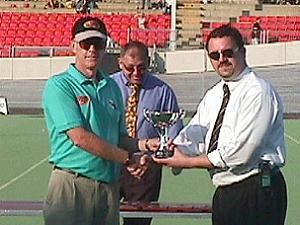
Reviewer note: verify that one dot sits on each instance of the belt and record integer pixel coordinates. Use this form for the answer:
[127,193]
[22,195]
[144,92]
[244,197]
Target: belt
[71,172]
[274,171]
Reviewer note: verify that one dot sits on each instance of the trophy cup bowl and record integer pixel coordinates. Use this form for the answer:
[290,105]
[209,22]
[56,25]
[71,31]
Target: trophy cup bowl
[162,121]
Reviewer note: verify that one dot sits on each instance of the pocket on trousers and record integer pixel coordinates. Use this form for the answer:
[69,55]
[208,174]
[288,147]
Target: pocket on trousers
[59,204]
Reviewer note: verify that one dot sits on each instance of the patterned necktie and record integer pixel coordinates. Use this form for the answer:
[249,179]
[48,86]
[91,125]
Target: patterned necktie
[131,113]
[217,127]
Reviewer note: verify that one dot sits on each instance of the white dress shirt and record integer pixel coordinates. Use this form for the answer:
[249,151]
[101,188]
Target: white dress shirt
[252,129]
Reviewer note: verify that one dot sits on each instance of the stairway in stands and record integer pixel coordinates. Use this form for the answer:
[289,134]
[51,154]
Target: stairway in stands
[189,15]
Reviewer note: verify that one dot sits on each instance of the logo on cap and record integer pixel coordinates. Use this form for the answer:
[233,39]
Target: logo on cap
[92,24]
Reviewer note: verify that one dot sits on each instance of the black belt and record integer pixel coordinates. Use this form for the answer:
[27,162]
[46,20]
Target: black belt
[274,171]
[70,172]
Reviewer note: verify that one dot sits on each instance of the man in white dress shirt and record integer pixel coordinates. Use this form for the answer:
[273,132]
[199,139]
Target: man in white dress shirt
[249,147]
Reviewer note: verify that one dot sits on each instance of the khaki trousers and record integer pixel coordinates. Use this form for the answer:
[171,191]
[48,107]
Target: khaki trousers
[76,200]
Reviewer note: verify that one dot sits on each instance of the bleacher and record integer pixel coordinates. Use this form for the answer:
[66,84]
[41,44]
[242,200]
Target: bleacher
[276,28]
[34,31]
[35,34]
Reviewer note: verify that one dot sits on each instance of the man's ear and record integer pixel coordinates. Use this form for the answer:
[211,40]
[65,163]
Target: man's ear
[120,63]
[72,46]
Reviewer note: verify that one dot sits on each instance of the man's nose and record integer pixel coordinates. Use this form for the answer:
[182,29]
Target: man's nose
[222,57]
[136,70]
[92,47]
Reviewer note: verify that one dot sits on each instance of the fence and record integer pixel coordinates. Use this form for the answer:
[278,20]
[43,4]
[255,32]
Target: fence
[154,209]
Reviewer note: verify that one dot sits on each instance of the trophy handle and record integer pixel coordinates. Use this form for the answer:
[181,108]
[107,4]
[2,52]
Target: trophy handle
[147,116]
[177,116]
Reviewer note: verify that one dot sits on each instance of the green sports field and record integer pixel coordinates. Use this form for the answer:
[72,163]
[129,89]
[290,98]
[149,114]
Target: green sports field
[24,171]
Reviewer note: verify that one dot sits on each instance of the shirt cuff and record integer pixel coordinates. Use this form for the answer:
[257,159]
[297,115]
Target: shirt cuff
[216,159]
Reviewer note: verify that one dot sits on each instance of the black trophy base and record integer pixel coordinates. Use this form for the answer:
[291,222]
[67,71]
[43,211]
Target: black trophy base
[162,154]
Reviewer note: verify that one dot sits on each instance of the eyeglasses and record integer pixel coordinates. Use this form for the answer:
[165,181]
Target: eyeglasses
[131,68]
[228,53]
[96,42]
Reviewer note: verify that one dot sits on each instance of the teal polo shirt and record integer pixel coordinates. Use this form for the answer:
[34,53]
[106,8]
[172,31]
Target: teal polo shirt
[71,100]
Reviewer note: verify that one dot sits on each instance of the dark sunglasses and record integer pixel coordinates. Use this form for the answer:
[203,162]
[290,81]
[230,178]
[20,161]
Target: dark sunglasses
[228,53]
[130,69]
[96,42]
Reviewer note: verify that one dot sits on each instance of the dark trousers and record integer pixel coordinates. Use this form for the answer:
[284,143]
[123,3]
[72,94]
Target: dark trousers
[143,190]
[248,203]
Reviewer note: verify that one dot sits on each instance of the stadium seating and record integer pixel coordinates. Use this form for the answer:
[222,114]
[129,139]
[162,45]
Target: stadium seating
[276,28]
[54,29]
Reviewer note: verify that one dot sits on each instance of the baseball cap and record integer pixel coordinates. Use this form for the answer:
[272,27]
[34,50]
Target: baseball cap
[89,27]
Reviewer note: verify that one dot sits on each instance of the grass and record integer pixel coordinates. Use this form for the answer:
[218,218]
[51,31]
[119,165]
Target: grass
[25,172]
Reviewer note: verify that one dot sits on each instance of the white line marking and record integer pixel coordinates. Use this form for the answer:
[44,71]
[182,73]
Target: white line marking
[45,159]
[292,139]
[23,174]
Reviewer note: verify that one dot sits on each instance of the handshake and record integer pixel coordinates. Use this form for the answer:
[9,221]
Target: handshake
[137,163]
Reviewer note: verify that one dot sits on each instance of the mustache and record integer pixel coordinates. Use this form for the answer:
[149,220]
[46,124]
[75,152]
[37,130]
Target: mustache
[225,64]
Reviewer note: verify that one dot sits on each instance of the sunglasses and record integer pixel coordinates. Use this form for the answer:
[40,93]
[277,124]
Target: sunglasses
[130,69]
[228,53]
[96,42]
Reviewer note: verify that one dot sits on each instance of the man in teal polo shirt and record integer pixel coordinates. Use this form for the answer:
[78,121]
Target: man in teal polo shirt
[84,112]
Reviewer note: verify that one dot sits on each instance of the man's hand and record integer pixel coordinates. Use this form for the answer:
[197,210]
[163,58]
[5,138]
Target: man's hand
[177,160]
[139,165]
[152,145]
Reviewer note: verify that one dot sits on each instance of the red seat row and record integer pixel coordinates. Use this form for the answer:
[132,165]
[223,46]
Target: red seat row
[53,29]
[270,19]
[275,31]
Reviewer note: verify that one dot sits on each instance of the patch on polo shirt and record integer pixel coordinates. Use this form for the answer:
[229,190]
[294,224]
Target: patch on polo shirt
[82,100]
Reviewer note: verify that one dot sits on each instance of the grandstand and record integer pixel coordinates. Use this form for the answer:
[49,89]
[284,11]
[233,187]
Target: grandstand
[20,30]
[29,30]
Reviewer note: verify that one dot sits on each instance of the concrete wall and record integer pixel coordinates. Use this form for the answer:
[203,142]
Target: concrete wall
[257,56]
[185,61]
[189,61]
[44,67]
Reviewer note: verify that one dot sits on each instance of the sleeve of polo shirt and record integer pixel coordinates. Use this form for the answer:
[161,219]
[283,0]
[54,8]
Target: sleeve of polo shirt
[60,105]
[255,117]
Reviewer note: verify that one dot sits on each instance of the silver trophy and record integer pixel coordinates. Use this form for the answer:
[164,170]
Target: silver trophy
[162,121]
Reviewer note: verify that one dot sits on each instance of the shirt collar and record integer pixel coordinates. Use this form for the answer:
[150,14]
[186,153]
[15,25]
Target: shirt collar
[79,76]
[233,83]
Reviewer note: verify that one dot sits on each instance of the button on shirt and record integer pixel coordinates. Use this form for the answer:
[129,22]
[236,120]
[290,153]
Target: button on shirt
[155,95]
[252,129]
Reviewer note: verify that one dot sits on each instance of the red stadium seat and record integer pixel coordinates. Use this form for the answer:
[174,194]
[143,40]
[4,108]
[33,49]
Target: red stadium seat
[38,41]
[25,17]
[30,33]
[2,32]
[18,41]
[32,25]
[9,40]
[47,41]
[28,41]
[11,32]
[40,33]
[123,42]
[6,16]
[13,25]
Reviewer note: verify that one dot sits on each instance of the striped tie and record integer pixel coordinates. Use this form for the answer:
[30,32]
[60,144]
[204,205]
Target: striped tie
[217,127]
[131,113]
